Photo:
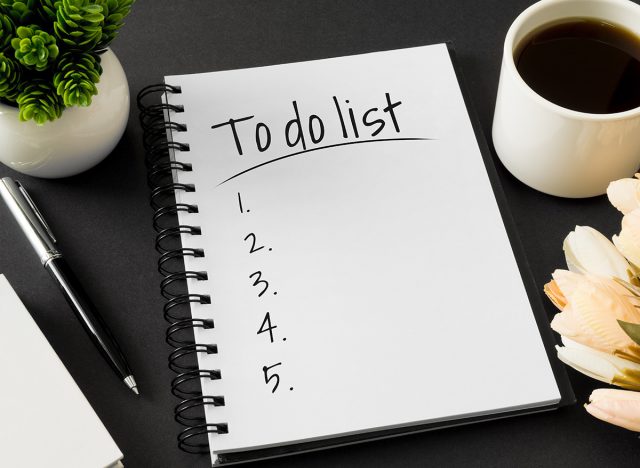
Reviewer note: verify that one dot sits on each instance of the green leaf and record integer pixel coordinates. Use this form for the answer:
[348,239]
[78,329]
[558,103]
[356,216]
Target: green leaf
[631,329]
[23,32]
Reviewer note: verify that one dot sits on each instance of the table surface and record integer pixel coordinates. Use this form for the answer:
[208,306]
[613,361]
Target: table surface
[103,220]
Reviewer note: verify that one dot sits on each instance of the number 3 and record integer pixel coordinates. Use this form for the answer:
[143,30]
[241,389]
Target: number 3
[259,281]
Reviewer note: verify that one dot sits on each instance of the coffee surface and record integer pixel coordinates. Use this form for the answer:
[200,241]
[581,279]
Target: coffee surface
[583,64]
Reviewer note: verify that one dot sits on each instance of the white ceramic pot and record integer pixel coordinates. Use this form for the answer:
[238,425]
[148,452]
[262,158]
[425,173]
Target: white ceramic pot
[75,142]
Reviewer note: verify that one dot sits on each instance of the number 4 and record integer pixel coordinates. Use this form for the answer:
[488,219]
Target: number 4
[267,327]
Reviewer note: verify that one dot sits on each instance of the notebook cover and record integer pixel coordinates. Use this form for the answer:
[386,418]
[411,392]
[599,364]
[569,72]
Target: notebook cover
[46,420]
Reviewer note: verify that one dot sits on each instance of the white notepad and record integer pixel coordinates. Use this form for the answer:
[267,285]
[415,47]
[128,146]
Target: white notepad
[361,280]
[46,420]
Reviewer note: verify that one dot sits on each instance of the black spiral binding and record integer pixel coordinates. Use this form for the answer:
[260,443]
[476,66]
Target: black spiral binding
[177,310]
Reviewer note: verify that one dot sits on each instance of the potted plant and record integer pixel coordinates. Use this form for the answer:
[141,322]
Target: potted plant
[64,97]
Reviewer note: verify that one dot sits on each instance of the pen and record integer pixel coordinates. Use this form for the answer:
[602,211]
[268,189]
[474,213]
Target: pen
[44,243]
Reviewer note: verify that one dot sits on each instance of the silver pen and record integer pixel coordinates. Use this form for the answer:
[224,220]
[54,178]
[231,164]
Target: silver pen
[44,243]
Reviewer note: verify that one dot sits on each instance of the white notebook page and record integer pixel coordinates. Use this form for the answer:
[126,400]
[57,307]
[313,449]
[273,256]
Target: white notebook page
[392,291]
[46,420]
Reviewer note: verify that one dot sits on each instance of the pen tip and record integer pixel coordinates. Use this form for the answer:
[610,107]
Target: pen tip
[131,383]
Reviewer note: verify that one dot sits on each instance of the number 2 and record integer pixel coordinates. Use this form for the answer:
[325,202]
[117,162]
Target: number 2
[253,248]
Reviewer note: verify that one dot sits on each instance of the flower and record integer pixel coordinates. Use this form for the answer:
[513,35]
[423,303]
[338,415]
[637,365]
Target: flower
[588,251]
[590,308]
[628,241]
[624,194]
[600,365]
[619,407]
[599,302]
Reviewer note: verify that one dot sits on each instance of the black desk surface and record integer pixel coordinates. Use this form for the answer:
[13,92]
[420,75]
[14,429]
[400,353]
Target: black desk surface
[103,220]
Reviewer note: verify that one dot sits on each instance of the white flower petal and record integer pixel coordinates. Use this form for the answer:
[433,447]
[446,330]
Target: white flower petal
[593,363]
[628,242]
[624,194]
[588,251]
[614,394]
[595,368]
[619,407]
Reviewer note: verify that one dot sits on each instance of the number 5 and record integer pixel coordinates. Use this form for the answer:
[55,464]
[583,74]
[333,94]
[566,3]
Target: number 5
[268,378]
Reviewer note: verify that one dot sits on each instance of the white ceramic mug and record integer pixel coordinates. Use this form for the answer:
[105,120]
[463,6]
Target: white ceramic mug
[548,147]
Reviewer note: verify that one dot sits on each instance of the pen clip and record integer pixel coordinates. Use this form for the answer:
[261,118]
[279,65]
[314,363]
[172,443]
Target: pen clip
[36,211]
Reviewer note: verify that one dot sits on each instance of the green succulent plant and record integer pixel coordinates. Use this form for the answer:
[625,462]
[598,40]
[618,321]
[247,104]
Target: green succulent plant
[9,78]
[76,77]
[47,9]
[34,48]
[7,30]
[79,24]
[115,11]
[38,101]
[21,11]
[49,52]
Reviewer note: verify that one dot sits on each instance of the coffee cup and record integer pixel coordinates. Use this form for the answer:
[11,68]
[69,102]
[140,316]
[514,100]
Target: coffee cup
[547,145]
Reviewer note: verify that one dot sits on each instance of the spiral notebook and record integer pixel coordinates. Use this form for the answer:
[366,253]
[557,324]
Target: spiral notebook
[338,256]
[46,420]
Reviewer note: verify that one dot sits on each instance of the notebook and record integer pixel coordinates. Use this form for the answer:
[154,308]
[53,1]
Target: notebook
[346,270]
[46,420]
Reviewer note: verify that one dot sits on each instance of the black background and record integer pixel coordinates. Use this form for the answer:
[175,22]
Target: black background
[103,221]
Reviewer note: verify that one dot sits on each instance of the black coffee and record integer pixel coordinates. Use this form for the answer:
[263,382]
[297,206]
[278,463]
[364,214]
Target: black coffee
[583,64]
